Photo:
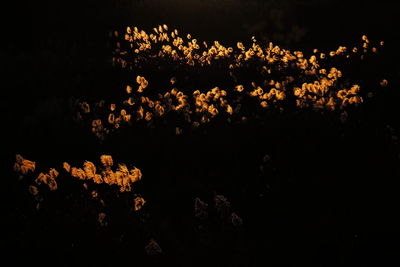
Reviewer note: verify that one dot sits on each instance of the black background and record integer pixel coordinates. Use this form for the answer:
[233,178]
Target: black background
[330,195]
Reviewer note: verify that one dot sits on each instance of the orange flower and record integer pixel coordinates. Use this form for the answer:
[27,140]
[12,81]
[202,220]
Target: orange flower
[139,202]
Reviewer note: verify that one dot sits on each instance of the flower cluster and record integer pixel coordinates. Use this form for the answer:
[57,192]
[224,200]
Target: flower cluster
[123,177]
[282,78]
[48,179]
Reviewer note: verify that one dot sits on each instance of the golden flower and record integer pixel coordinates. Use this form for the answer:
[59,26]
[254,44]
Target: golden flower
[239,88]
[240,45]
[85,107]
[178,131]
[212,110]
[364,38]
[264,104]
[189,36]
[140,113]
[144,83]
[384,83]
[253,93]
[129,89]
[136,175]
[78,173]
[165,27]
[52,184]
[355,99]
[23,165]
[98,179]
[33,190]
[119,178]
[342,94]
[111,118]
[204,119]
[280,95]
[42,178]
[53,173]
[382,43]
[109,177]
[106,160]
[112,107]
[148,116]
[96,123]
[139,203]
[159,110]
[355,89]
[127,117]
[90,169]
[130,101]
[19,158]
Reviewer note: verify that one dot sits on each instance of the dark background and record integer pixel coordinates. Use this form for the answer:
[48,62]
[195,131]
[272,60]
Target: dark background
[330,197]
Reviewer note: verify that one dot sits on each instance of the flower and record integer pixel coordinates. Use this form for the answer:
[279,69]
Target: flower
[106,160]
[90,169]
[66,166]
[136,175]
[384,83]
[42,178]
[178,131]
[138,203]
[131,102]
[23,166]
[239,88]
[78,173]
[240,46]
[264,104]
[111,118]
[53,173]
